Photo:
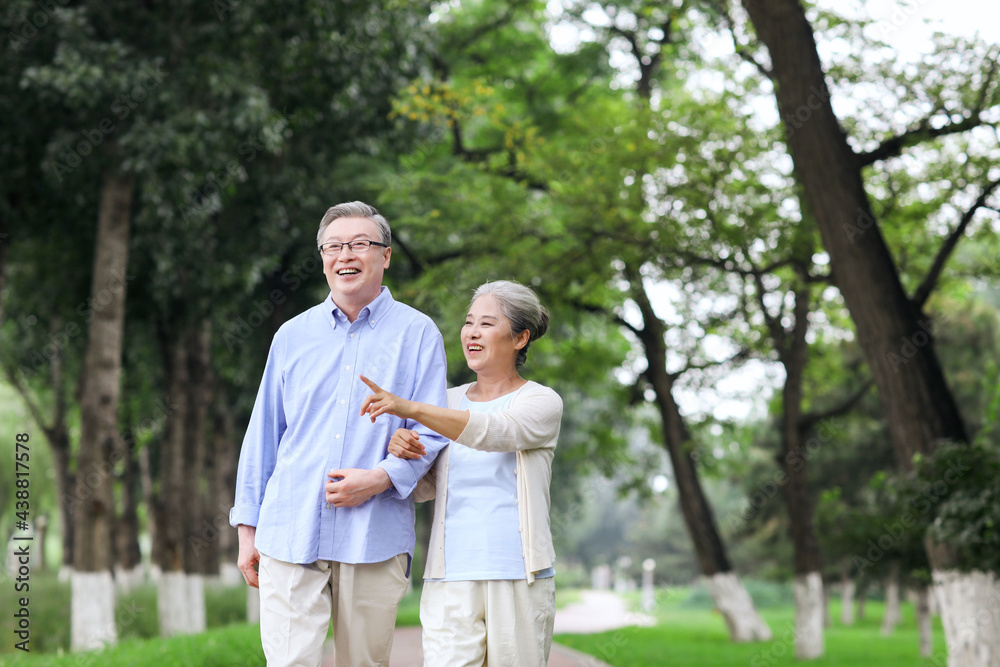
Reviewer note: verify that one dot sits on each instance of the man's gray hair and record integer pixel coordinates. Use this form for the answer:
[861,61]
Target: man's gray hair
[520,305]
[355,209]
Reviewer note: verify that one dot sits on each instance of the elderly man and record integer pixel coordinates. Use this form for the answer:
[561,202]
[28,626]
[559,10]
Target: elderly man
[318,504]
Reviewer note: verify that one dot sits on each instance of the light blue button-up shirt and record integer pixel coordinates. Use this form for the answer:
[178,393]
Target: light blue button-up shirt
[306,422]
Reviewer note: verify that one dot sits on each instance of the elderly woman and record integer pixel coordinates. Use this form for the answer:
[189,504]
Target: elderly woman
[489,593]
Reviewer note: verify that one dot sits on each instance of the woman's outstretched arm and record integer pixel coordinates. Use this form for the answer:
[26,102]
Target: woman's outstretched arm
[449,423]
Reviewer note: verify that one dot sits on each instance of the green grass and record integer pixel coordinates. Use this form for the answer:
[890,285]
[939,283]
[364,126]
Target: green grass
[230,646]
[136,615]
[694,637]
[688,632]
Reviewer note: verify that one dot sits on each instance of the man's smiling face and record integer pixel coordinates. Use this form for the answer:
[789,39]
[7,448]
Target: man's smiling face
[354,278]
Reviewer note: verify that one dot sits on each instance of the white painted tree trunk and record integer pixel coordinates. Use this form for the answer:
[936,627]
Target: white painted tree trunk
[253,605]
[892,615]
[231,575]
[128,580]
[196,603]
[178,608]
[92,611]
[65,573]
[847,590]
[826,607]
[922,605]
[734,603]
[970,614]
[809,642]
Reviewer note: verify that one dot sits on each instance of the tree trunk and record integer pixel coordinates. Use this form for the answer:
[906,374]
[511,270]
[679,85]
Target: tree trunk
[155,511]
[919,407]
[827,621]
[847,589]
[128,571]
[4,254]
[173,511]
[731,598]
[924,625]
[41,534]
[198,530]
[793,352]
[737,608]
[66,481]
[892,613]
[809,643]
[862,599]
[227,456]
[215,511]
[92,614]
[970,614]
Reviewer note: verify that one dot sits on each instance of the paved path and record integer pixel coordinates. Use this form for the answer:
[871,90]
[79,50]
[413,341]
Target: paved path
[597,611]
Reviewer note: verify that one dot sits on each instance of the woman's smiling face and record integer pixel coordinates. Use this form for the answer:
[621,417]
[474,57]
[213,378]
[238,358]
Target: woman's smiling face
[486,339]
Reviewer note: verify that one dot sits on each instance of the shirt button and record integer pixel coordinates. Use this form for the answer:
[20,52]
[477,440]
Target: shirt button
[328,505]
[337,436]
[342,401]
[352,335]
[347,368]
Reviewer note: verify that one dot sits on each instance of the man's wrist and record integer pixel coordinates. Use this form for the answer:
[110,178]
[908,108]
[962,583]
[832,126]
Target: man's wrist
[382,480]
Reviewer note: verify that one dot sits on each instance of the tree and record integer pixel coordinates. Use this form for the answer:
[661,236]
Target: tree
[580,228]
[920,409]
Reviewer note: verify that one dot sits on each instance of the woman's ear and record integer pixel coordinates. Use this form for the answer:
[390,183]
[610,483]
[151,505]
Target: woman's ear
[522,339]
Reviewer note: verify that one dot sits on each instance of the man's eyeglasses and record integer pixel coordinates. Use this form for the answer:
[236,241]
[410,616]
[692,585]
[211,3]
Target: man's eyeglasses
[334,247]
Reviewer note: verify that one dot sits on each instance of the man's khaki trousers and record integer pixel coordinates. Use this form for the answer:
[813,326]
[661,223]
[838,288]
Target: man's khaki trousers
[298,602]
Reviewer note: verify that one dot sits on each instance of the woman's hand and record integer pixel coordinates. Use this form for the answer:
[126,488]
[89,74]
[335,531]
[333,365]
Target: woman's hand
[382,402]
[406,444]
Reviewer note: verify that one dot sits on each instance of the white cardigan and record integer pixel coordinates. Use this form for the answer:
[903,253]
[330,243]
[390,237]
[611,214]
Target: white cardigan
[530,427]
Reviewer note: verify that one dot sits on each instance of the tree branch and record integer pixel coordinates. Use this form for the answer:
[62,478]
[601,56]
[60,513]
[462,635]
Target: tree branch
[923,292]
[807,420]
[33,407]
[740,49]
[894,146]
[923,132]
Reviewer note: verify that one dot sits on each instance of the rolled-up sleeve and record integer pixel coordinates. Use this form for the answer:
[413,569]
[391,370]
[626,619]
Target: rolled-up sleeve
[430,386]
[260,444]
[531,422]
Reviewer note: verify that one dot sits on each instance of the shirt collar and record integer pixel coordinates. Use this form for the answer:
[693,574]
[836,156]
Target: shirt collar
[373,313]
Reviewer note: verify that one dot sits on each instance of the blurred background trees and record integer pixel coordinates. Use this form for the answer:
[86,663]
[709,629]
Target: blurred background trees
[766,281]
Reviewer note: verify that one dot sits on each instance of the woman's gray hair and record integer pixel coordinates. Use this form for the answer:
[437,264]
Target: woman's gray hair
[355,209]
[520,305]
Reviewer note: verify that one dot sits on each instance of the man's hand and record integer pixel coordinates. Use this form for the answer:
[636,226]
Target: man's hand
[383,402]
[406,444]
[349,487]
[249,556]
